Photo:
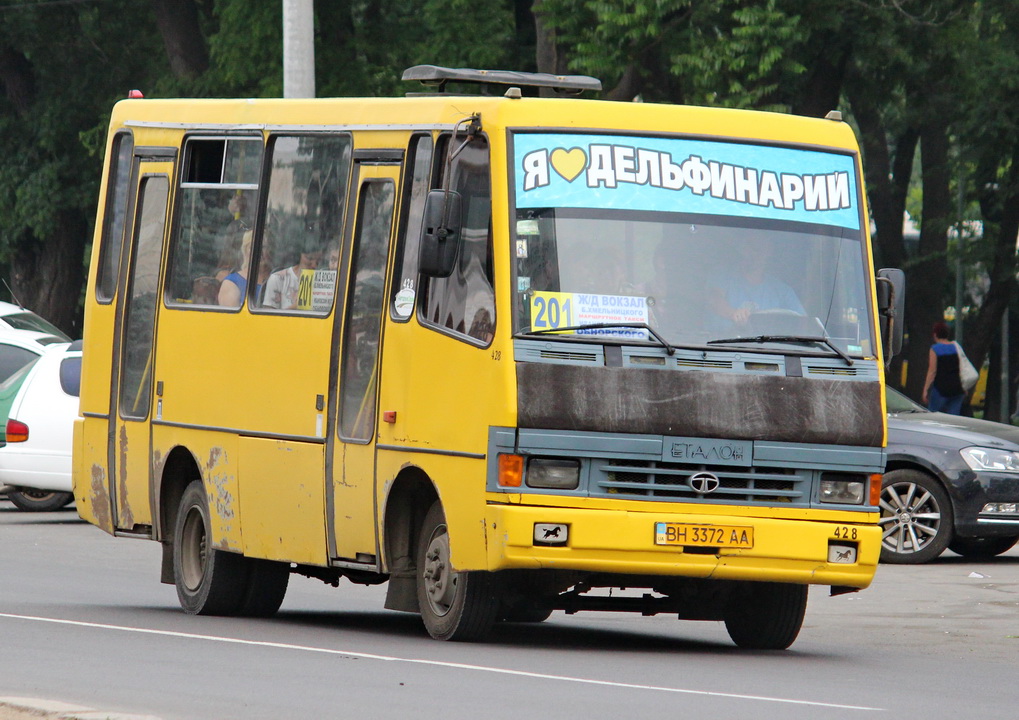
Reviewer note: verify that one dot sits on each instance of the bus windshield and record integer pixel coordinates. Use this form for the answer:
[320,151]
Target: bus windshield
[693,280]
[696,241]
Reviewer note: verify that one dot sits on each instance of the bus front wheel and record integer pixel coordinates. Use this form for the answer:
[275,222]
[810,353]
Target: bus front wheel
[766,616]
[454,605]
[208,581]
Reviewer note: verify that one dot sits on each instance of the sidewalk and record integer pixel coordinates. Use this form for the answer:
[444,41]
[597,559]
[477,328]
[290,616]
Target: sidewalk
[18,708]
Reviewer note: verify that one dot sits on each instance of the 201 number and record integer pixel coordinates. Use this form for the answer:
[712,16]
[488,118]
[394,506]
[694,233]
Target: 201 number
[551,313]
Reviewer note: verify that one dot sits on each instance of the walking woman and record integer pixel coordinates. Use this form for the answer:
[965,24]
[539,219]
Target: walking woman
[942,390]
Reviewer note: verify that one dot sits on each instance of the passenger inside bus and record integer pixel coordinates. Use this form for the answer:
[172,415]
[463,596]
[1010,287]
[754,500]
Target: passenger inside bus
[234,285]
[281,289]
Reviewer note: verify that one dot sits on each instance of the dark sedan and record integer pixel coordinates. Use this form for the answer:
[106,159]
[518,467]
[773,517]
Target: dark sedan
[951,482]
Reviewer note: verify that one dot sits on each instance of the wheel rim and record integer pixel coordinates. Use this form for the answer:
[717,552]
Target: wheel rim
[439,578]
[193,549]
[910,518]
[38,494]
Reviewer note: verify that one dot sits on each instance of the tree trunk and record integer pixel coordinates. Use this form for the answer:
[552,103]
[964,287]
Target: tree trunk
[46,273]
[887,176]
[548,55]
[18,80]
[177,21]
[926,277]
[984,330]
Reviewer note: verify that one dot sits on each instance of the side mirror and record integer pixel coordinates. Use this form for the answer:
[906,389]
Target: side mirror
[440,235]
[891,307]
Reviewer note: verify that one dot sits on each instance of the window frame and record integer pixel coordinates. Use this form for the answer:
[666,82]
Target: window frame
[250,301]
[441,148]
[108,254]
[405,254]
[346,344]
[178,202]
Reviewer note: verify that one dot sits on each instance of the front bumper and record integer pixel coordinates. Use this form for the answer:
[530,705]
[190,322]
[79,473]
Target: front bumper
[616,541]
[971,491]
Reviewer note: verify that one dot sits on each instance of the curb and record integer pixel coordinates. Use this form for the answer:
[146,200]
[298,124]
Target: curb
[19,708]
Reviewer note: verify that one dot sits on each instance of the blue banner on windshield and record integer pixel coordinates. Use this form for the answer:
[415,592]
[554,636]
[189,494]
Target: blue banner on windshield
[683,175]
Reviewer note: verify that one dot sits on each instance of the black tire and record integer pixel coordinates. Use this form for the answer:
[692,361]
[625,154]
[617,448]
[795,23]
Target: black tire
[454,605]
[32,500]
[527,613]
[209,581]
[266,587]
[766,616]
[916,517]
[982,547]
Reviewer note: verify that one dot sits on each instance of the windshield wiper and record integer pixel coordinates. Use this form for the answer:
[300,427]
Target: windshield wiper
[669,349]
[786,338]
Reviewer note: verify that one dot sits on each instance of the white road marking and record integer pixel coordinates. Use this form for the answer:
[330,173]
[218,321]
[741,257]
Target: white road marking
[436,663]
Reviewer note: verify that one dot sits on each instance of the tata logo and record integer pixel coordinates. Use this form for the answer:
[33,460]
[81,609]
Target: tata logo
[703,483]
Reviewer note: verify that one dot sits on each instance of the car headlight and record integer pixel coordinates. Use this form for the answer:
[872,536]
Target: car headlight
[843,491]
[553,473]
[990,459]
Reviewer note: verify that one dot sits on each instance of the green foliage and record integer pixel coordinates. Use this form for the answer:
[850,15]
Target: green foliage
[80,59]
[737,57]
[717,52]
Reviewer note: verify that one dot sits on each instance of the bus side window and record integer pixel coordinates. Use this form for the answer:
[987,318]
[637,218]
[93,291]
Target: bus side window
[465,301]
[216,206]
[404,289]
[298,259]
[115,218]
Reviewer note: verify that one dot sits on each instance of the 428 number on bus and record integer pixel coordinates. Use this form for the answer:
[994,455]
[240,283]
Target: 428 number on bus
[846,533]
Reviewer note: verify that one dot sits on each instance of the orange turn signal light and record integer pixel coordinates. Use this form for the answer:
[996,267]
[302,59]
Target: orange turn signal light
[875,489]
[511,471]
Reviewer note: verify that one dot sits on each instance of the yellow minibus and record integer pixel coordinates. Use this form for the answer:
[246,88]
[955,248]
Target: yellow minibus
[506,353]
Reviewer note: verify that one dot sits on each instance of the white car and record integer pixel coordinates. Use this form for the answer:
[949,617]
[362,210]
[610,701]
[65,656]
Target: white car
[20,347]
[35,462]
[15,317]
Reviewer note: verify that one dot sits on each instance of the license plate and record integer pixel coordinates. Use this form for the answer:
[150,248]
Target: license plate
[728,536]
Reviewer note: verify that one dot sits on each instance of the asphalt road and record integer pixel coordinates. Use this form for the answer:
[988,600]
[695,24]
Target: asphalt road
[84,621]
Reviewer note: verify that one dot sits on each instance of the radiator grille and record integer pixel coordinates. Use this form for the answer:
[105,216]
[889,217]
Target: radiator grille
[668,481]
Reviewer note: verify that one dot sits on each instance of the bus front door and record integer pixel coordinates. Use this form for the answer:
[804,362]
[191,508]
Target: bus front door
[131,396]
[351,492]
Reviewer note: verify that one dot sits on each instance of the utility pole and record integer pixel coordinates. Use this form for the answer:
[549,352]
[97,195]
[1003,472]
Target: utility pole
[298,49]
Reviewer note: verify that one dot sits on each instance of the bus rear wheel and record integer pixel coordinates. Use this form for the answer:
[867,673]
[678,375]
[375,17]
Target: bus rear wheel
[266,587]
[454,605]
[208,581]
[766,616]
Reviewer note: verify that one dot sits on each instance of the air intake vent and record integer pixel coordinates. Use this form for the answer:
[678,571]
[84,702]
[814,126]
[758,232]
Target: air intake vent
[718,364]
[842,371]
[574,357]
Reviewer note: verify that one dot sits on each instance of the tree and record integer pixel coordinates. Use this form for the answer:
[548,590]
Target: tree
[61,67]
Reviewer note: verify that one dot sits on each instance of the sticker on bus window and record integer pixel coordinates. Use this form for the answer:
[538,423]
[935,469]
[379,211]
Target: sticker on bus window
[553,310]
[690,175]
[305,288]
[403,303]
[527,227]
[322,290]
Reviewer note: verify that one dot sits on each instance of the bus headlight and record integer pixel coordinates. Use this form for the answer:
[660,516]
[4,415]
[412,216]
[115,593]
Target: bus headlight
[553,473]
[843,491]
[990,459]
